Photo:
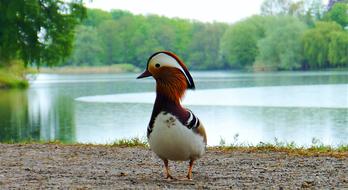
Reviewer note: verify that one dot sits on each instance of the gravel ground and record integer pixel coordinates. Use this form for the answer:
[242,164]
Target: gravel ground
[50,166]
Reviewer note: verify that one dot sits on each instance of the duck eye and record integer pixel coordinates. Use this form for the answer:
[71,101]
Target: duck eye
[157,65]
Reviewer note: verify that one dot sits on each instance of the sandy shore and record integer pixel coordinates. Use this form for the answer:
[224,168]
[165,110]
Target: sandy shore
[46,166]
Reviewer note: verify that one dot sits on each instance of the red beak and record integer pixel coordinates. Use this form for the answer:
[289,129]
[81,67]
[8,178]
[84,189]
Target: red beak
[146,73]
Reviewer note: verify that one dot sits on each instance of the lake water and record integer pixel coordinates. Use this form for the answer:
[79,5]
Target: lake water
[247,107]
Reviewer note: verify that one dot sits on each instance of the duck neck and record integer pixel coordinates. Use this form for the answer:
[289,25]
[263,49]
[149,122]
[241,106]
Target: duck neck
[164,101]
[171,89]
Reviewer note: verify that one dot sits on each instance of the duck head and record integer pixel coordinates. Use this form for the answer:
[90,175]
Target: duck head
[171,74]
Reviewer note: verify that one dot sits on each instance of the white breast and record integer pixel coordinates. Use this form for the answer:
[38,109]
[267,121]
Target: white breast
[172,140]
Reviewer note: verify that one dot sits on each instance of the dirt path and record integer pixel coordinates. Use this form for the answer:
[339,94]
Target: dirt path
[104,167]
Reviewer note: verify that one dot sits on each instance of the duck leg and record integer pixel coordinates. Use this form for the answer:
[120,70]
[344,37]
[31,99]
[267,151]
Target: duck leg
[189,174]
[168,176]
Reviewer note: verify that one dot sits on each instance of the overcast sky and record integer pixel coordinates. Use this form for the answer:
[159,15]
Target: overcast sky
[203,10]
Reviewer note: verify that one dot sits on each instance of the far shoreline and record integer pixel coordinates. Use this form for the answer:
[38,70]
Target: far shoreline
[112,69]
[129,68]
[9,80]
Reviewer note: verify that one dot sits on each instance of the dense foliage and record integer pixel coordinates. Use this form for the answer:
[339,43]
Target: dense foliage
[115,37]
[288,35]
[338,13]
[326,45]
[239,43]
[281,46]
[38,31]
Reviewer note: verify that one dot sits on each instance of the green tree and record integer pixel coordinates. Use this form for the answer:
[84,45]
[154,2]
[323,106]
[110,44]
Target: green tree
[183,37]
[338,49]
[316,44]
[205,45]
[145,40]
[239,43]
[277,42]
[281,48]
[163,34]
[111,41]
[118,14]
[87,47]
[38,31]
[338,13]
[96,17]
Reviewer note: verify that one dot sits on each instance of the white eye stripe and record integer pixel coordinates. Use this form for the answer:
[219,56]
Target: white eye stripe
[188,80]
[167,60]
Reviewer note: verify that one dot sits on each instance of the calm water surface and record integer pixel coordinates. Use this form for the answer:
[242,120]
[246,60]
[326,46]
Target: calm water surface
[101,108]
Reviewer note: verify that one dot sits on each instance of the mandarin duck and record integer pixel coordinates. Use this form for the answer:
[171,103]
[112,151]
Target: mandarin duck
[174,132]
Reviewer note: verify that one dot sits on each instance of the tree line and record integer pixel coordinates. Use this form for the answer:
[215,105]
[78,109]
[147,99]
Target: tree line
[288,35]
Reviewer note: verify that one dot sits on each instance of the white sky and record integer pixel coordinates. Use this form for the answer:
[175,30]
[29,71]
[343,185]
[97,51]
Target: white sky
[203,10]
[228,11]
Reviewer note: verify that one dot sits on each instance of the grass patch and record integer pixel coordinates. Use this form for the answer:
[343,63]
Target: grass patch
[134,142]
[115,68]
[33,141]
[317,148]
[13,76]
